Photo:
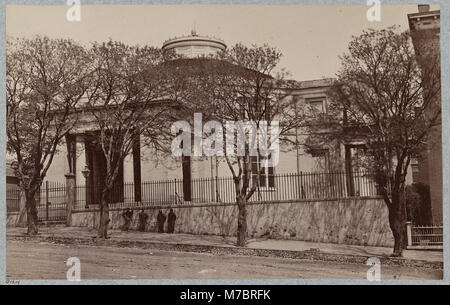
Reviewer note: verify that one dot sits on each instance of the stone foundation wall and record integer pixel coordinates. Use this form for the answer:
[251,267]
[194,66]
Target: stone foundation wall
[11,219]
[358,221]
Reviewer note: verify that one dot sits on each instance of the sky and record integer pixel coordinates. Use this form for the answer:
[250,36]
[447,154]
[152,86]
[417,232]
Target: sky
[310,37]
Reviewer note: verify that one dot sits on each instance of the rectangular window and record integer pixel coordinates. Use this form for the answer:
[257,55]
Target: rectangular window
[266,174]
[318,105]
[359,157]
[320,160]
[415,170]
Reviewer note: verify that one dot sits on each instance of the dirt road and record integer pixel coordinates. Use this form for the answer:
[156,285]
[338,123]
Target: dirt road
[39,260]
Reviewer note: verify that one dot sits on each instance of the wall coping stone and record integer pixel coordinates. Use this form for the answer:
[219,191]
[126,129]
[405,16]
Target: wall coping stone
[202,205]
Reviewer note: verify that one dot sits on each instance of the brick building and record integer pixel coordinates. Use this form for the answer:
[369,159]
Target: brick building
[425,32]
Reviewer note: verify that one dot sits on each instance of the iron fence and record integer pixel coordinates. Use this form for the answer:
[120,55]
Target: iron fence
[271,188]
[51,202]
[12,200]
[425,236]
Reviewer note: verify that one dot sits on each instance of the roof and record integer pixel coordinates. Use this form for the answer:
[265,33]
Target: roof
[425,14]
[194,39]
[204,66]
[428,20]
[315,83]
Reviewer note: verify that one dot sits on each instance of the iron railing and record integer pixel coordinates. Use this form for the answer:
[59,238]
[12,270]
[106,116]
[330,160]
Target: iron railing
[426,236]
[51,202]
[273,188]
[12,200]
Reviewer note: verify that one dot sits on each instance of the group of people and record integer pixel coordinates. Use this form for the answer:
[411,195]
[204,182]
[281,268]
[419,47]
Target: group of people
[161,219]
[143,217]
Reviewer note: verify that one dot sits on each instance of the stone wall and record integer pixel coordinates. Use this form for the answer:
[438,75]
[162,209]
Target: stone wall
[359,221]
[11,219]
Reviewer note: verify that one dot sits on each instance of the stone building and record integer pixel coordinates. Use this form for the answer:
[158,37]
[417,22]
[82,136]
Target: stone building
[139,167]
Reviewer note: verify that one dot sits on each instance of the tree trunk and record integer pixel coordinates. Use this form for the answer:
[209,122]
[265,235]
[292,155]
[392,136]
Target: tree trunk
[242,222]
[397,223]
[32,215]
[397,230]
[22,218]
[104,216]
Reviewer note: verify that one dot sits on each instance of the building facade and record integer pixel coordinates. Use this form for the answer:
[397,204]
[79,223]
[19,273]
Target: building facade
[140,169]
[425,32]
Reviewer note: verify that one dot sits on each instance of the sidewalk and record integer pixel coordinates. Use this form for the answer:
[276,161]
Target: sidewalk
[212,243]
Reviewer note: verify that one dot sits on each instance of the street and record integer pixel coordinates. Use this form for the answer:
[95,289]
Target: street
[41,260]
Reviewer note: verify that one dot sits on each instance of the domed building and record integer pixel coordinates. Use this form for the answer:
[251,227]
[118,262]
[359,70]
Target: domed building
[193,45]
[152,179]
[139,166]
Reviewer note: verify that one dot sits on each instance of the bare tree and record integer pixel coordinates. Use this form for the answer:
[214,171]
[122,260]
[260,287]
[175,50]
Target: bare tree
[383,96]
[125,100]
[241,85]
[45,80]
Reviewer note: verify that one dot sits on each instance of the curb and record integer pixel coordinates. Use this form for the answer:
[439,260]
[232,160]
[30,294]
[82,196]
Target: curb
[232,250]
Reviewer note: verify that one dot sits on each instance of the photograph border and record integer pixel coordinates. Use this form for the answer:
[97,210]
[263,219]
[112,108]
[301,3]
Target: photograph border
[445,71]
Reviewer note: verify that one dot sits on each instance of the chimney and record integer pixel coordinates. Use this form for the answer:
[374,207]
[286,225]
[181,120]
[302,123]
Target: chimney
[424,8]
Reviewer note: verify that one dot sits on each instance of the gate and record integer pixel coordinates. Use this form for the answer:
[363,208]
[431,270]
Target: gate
[51,204]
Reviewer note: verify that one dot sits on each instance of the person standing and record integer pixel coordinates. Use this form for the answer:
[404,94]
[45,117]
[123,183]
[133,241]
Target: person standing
[142,220]
[171,221]
[128,218]
[161,219]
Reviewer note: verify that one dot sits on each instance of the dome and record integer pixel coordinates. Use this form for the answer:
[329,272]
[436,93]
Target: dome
[193,45]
